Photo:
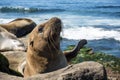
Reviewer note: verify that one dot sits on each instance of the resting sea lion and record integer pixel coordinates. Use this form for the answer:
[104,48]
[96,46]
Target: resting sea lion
[9,42]
[44,53]
[19,27]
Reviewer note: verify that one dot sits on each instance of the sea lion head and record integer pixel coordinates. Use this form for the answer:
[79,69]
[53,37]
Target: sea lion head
[46,35]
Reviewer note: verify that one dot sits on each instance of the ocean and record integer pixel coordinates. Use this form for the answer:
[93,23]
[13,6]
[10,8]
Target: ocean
[97,21]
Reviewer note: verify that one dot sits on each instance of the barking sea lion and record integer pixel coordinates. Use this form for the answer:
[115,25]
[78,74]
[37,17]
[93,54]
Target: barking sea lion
[20,26]
[44,53]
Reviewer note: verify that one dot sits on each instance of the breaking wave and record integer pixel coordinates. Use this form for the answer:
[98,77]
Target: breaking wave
[90,33]
[30,10]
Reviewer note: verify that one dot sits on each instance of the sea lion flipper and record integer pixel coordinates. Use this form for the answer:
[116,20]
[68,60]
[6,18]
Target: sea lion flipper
[73,53]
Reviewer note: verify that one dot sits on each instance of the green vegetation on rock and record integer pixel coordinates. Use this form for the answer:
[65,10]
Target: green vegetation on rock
[105,59]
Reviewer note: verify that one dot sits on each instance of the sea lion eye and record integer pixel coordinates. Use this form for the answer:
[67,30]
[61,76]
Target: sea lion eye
[41,30]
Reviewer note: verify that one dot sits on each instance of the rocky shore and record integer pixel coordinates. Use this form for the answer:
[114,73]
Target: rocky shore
[87,65]
[71,72]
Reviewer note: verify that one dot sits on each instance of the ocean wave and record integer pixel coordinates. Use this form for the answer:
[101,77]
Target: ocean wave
[30,10]
[90,33]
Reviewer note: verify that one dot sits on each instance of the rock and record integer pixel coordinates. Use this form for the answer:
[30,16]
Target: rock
[4,64]
[83,71]
[14,57]
[4,76]
[90,51]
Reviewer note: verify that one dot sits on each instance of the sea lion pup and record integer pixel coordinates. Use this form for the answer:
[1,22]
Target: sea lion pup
[20,26]
[9,42]
[73,53]
[44,53]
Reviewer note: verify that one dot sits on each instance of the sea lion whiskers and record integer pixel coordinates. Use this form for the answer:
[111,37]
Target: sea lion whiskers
[52,41]
[50,48]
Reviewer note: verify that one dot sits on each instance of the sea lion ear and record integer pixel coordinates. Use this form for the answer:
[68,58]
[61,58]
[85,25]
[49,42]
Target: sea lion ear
[41,29]
[31,43]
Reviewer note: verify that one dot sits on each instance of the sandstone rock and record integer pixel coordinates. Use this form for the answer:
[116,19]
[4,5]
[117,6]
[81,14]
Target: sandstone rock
[5,76]
[4,64]
[82,71]
[14,57]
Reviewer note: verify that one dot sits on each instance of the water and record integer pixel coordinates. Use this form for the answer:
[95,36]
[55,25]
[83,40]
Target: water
[98,21]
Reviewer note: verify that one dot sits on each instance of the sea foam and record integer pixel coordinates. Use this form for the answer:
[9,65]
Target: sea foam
[90,33]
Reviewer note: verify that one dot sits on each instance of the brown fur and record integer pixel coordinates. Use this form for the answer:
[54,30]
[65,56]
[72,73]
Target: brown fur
[44,54]
[73,53]
[19,27]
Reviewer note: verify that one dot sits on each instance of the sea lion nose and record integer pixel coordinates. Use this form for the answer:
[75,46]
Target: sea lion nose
[57,21]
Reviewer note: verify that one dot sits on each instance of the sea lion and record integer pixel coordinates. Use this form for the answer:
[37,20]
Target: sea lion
[20,26]
[44,53]
[69,54]
[9,42]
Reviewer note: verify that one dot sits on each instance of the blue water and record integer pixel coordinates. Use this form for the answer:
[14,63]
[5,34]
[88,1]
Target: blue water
[98,21]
